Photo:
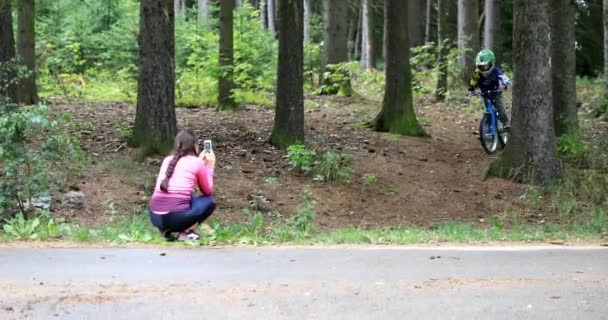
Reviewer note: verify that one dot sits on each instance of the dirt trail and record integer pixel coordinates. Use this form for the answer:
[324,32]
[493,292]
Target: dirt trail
[419,181]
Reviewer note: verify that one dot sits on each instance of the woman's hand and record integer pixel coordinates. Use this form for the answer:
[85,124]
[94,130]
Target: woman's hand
[208,159]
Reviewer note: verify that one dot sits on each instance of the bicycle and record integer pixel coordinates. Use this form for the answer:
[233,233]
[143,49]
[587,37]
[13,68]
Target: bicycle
[491,129]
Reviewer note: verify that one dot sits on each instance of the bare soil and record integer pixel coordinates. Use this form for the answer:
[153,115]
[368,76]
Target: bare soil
[420,181]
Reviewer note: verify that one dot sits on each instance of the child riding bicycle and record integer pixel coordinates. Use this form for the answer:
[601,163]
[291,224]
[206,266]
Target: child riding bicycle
[489,78]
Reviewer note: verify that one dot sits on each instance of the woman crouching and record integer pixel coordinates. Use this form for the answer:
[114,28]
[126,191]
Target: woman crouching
[173,207]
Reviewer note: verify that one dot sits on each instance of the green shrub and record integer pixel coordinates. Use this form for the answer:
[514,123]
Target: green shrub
[30,145]
[333,167]
[301,158]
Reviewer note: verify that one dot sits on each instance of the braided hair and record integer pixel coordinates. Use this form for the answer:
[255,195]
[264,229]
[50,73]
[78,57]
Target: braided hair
[185,144]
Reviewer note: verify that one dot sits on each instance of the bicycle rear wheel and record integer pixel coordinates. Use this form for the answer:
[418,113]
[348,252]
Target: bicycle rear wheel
[488,139]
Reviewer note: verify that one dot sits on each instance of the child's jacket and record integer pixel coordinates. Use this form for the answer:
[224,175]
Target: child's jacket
[493,81]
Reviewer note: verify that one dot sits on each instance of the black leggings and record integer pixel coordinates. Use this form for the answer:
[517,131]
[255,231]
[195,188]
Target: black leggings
[200,209]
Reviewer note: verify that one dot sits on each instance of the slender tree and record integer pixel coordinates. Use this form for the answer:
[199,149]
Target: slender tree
[368,55]
[397,114]
[203,10]
[335,43]
[263,14]
[429,21]
[271,16]
[442,77]
[26,46]
[7,50]
[491,30]
[155,123]
[416,22]
[289,115]
[563,66]
[606,45]
[307,14]
[468,36]
[530,156]
[180,8]
[225,84]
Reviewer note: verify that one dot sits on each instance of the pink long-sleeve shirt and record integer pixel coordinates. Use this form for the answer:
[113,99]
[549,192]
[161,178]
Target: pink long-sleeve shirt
[189,170]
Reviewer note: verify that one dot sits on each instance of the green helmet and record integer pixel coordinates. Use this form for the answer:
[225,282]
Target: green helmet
[485,61]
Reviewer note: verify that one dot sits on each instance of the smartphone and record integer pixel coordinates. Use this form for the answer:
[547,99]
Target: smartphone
[207,146]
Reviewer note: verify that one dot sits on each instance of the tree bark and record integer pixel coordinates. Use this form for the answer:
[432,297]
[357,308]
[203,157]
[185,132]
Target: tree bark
[491,30]
[429,21]
[7,50]
[335,42]
[289,115]
[415,19]
[203,10]
[530,155]
[358,33]
[442,77]
[155,123]
[271,16]
[368,56]
[397,114]
[225,98]
[26,45]
[336,49]
[563,66]
[606,45]
[180,8]
[468,36]
[263,14]
[307,14]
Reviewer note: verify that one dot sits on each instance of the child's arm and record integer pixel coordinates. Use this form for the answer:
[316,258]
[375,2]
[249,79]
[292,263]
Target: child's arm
[474,80]
[503,79]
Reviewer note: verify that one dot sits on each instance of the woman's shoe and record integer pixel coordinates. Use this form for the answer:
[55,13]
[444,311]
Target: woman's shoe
[188,236]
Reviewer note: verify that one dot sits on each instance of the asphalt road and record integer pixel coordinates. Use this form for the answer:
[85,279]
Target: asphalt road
[305,283]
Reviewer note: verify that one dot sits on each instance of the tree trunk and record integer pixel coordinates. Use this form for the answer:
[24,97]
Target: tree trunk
[563,66]
[155,124]
[289,115]
[271,16]
[263,14]
[307,14]
[357,36]
[442,77]
[26,45]
[415,21]
[7,50]
[397,114]
[606,45]
[225,97]
[531,155]
[491,30]
[368,56]
[429,21]
[180,8]
[336,43]
[203,10]
[468,36]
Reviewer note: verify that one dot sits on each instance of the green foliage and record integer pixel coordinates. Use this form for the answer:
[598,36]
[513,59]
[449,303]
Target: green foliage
[30,144]
[313,65]
[299,226]
[369,178]
[40,227]
[333,167]
[573,147]
[329,166]
[337,78]
[301,158]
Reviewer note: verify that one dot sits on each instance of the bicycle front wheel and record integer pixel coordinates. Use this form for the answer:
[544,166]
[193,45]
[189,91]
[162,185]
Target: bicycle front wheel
[488,139]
